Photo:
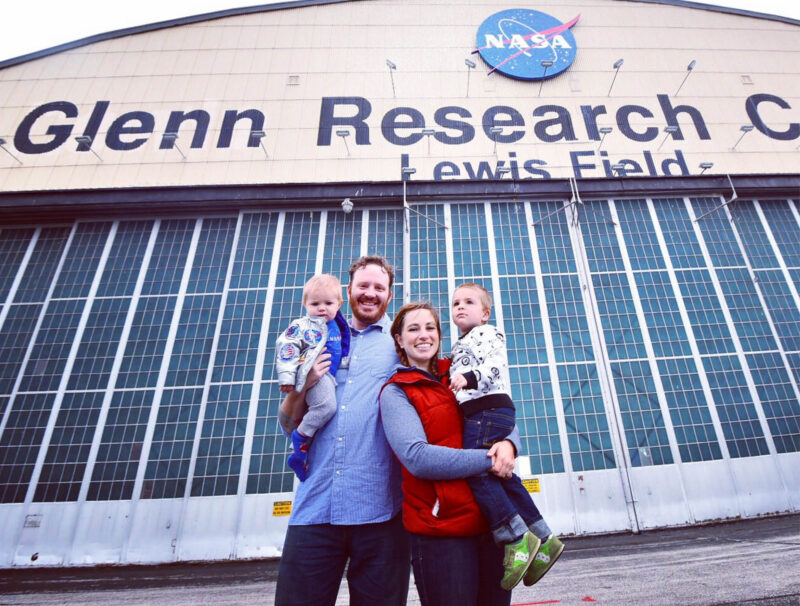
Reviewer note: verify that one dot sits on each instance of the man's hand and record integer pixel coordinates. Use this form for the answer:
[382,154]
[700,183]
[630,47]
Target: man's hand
[321,365]
[502,455]
[457,382]
[294,406]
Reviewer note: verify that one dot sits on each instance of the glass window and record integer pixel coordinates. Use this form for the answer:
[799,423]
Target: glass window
[13,245]
[82,259]
[268,470]
[124,261]
[211,259]
[41,268]
[254,251]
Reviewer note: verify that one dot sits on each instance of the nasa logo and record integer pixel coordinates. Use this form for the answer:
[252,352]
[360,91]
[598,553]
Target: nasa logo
[312,335]
[525,44]
[288,352]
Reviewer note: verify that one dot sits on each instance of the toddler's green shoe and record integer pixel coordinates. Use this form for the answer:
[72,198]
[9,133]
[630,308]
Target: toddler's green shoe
[518,559]
[548,553]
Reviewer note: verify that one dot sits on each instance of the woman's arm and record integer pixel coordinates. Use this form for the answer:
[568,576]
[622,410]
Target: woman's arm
[407,438]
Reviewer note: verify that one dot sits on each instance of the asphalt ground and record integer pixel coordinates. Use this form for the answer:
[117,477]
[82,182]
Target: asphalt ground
[748,562]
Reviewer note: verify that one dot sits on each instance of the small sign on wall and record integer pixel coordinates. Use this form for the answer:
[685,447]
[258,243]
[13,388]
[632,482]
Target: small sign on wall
[532,485]
[281,508]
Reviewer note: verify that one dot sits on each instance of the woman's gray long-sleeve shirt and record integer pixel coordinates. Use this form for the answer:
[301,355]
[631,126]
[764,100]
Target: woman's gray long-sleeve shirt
[406,436]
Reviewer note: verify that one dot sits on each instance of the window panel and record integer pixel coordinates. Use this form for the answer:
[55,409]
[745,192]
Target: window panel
[470,246]
[710,328]
[342,243]
[599,238]
[121,446]
[645,433]
[532,392]
[552,238]
[568,324]
[191,352]
[640,235]
[678,232]
[219,458]
[213,253]
[691,419]
[511,239]
[782,308]
[785,229]
[585,417]
[13,246]
[238,340]
[385,238]
[746,310]
[20,443]
[99,344]
[778,399]
[168,261]
[268,470]
[65,462]
[171,448]
[53,342]
[42,265]
[754,237]
[299,253]
[148,337]
[735,407]
[83,257]
[15,337]
[718,234]
[623,335]
[428,252]
[524,329]
[125,259]
[662,314]
[254,251]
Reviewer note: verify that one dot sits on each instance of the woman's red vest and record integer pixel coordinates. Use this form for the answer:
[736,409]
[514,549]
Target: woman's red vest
[437,507]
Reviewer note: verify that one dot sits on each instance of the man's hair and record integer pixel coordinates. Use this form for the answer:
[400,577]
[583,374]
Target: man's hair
[373,260]
[397,328]
[486,298]
[323,281]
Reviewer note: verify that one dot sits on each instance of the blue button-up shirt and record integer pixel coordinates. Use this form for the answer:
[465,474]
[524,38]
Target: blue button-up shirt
[354,477]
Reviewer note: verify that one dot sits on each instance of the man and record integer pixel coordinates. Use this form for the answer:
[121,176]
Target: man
[349,506]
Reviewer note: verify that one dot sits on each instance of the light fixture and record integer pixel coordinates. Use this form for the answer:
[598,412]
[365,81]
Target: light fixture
[405,173]
[745,128]
[470,66]
[545,65]
[705,166]
[391,67]
[85,144]
[255,137]
[172,139]
[604,130]
[619,168]
[347,206]
[503,170]
[344,134]
[668,130]
[617,64]
[689,69]
[428,132]
[3,145]
[495,130]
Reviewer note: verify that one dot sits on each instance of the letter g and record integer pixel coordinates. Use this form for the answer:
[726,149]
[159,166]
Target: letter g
[59,132]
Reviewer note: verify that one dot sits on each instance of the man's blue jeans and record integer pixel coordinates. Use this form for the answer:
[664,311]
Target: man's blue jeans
[458,571]
[314,559]
[500,499]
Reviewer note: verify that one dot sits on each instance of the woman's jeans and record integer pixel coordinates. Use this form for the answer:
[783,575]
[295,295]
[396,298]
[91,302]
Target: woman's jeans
[458,571]
[500,499]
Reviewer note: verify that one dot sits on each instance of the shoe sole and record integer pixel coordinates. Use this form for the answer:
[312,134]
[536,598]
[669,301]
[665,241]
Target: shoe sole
[533,553]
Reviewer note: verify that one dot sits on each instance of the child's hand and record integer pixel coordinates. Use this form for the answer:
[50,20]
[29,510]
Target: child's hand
[457,382]
[287,388]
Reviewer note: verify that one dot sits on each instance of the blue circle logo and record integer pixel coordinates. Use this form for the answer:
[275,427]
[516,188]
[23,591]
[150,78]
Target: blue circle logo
[525,44]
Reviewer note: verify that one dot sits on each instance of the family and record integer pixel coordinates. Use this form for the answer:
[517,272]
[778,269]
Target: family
[405,457]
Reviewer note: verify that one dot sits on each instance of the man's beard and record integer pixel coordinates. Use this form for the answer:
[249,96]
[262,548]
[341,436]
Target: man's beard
[370,318]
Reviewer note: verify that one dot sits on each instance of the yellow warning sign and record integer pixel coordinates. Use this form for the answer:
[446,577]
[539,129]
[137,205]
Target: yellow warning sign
[531,485]
[282,508]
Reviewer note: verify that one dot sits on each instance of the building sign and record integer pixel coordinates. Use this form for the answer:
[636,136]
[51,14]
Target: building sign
[525,44]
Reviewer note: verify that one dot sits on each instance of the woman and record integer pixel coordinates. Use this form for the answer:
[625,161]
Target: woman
[454,558]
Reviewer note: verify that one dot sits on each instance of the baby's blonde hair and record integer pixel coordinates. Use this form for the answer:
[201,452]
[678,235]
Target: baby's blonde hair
[486,298]
[323,281]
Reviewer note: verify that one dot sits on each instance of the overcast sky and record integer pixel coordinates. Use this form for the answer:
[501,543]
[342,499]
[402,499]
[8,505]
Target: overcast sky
[33,25]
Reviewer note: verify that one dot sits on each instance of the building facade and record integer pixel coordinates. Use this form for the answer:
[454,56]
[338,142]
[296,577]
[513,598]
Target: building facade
[621,175]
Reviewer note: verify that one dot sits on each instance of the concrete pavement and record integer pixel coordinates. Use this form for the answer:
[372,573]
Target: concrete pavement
[750,562]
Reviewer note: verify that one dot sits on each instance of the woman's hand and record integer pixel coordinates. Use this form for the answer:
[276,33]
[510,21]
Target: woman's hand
[503,455]
[321,365]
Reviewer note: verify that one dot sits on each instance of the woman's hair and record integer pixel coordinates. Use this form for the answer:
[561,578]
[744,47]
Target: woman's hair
[397,328]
